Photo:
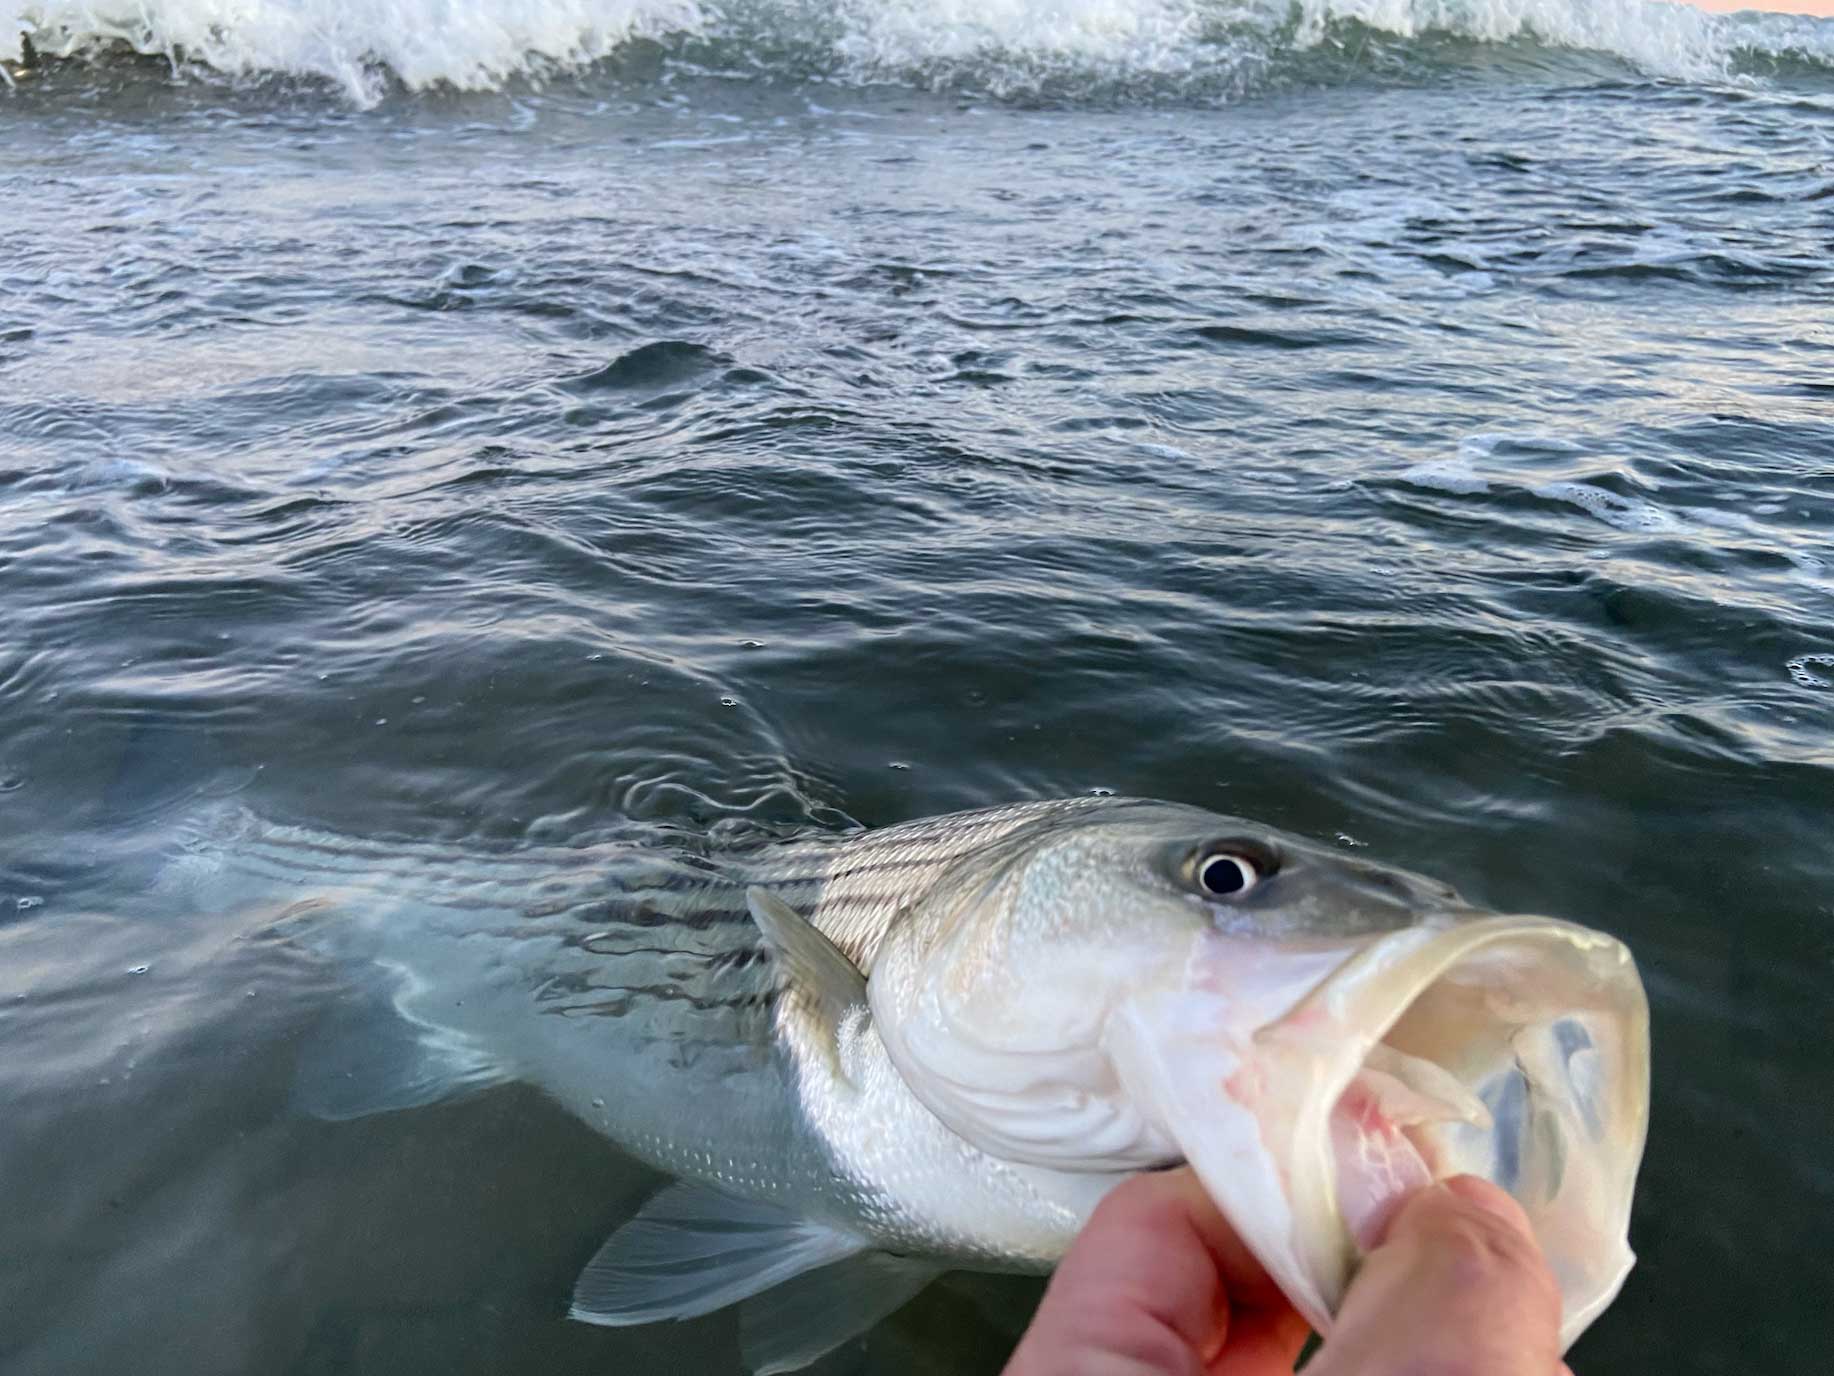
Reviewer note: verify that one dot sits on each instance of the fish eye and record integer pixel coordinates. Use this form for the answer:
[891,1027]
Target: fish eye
[1231,869]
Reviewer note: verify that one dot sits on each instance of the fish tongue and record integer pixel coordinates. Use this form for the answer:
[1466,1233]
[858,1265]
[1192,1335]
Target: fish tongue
[1380,1152]
[1377,1160]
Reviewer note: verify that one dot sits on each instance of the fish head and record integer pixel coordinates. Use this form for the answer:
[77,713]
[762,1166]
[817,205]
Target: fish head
[1316,1034]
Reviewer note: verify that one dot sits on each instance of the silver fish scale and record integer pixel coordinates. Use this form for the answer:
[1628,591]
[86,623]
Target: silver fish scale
[686,937]
[866,880]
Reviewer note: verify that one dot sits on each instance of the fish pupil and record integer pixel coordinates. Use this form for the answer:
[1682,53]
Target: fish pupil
[1225,874]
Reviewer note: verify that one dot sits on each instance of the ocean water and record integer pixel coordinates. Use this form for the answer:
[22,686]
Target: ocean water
[482,423]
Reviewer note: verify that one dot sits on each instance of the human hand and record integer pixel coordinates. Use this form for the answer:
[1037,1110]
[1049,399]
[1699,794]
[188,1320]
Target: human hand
[1457,1286]
[1158,1284]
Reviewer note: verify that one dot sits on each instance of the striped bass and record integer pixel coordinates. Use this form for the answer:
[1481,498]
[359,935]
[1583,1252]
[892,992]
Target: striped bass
[868,1058]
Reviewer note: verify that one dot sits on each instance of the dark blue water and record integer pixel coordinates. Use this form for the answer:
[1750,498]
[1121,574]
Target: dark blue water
[1428,444]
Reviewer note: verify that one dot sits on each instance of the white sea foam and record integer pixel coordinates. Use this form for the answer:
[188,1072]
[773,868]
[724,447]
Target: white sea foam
[1511,462]
[117,474]
[1446,475]
[1464,475]
[476,44]
[1458,474]
[1673,40]
[470,44]
[1625,513]
[1802,670]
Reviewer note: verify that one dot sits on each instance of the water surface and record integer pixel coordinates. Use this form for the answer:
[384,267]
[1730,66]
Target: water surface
[1417,431]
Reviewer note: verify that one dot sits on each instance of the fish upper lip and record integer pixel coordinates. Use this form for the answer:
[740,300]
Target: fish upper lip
[1384,974]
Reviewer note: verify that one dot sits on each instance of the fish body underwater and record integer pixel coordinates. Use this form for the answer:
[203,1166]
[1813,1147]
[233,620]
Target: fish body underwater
[869,1058]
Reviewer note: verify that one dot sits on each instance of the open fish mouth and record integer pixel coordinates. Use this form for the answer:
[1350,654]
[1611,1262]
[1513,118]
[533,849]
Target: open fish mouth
[1512,1048]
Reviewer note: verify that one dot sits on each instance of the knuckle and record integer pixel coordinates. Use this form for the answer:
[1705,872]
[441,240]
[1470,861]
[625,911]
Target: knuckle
[1482,1248]
[1156,1349]
[1142,1202]
[1482,1253]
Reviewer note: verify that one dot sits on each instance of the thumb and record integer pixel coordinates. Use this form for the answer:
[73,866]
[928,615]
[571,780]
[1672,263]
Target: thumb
[1457,1285]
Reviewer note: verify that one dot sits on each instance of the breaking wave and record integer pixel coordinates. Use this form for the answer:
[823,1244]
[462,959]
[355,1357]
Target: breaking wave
[1005,47]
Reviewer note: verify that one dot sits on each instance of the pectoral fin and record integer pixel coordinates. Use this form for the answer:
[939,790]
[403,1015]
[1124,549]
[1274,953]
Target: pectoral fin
[693,1249]
[815,964]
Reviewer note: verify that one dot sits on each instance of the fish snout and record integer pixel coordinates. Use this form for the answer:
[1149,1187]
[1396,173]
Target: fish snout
[1387,898]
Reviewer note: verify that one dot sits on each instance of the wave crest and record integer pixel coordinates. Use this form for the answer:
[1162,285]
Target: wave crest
[1002,46]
